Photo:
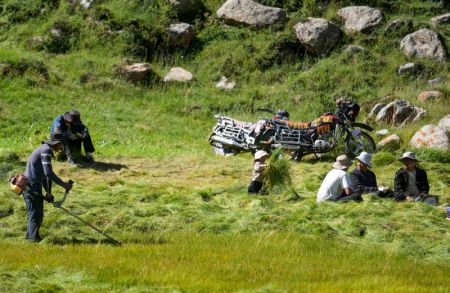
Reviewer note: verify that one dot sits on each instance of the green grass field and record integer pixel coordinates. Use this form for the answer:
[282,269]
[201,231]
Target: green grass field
[183,214]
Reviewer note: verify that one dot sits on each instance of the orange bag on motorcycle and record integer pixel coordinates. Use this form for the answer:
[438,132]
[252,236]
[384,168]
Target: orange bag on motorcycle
[18,183]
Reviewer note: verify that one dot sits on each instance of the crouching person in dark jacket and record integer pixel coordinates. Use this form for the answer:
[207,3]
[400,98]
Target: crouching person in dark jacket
[39,173]
[363,180]
[411,182]
[75,134]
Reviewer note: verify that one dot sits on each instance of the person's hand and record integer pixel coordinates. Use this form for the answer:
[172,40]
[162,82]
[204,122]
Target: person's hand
[73,136]
[49,197]
[68,185]
[81,135]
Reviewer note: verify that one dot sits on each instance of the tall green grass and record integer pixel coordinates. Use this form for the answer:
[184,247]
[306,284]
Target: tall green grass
[275,262]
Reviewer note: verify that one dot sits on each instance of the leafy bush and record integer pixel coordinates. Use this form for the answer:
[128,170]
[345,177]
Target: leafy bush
[18,11]
[61,37]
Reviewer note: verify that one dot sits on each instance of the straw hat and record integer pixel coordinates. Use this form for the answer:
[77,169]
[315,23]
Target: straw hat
[260,154]
[365,158]
[342,162]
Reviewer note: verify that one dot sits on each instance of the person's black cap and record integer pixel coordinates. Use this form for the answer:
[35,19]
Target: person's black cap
[76,118]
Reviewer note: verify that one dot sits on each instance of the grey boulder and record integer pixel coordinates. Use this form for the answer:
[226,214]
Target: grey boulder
[181,35]
[178,74]
[430,136]
[318,35]
[251,13]
[408,68]
[441,19]
[444,123]
[360,18]
[423,43]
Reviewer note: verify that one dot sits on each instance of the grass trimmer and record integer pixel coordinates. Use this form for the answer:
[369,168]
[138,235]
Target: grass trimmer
[58,204]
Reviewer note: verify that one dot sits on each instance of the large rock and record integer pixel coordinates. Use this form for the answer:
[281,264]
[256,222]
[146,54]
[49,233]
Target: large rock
[430,136]
[178,74]
[441,19]
[318,35]
[398,112]
[225,84]
[137,73]
[382,132]
[391,142]
[436,81]
[423,43]
[360,18]
[408,68]
[428,96]
[376,109]
[251,13]
[444,123]
[181,35]
[353,49]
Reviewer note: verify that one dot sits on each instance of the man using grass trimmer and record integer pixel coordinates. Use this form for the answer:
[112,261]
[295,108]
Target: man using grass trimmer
[39,173]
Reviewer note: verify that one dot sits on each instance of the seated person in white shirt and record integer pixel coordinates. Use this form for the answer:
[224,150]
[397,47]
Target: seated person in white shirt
[336,185]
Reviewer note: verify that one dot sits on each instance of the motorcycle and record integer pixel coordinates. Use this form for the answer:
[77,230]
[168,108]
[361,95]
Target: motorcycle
[230,136]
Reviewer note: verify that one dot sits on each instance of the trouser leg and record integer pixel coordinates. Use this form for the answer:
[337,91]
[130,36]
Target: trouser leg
[88,145]
[356,196]
[73,149]
[35,207]
[255,187]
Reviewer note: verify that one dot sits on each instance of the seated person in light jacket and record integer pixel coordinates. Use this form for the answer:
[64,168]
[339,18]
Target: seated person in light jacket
[336,185]
[364,180]
[411,182]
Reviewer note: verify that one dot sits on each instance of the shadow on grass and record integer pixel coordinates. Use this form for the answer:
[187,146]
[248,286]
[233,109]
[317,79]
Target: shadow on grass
[103,166]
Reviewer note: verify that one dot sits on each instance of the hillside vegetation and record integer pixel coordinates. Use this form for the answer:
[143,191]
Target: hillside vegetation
[183,213]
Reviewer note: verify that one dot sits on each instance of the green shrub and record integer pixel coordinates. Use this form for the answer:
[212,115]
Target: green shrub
[61,37]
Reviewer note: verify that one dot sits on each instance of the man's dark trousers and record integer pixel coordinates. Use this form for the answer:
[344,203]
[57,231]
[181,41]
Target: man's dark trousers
[35,206]
[73,147]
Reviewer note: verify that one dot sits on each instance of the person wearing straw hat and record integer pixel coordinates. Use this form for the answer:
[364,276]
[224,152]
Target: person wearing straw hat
[411,181]
[336,185]
[259,166]
[39,173]
[363,179]
[75,134]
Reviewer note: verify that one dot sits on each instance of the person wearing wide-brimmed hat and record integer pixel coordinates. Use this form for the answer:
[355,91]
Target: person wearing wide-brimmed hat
[411,181]
[336,185]
[363,179]
[75,134]
[259,166]
[39,174]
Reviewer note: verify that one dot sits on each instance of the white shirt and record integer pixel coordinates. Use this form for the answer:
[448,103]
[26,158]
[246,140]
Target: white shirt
[333,184]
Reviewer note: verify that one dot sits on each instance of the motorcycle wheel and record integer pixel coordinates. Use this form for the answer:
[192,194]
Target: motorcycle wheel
[354,145]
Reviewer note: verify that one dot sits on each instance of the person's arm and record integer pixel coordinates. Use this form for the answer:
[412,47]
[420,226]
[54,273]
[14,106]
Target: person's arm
[399,188]
[424,187]
[346,183]
[57,125]
[49,174]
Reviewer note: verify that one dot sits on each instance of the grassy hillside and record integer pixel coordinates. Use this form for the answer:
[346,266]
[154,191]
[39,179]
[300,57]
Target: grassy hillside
[182,212]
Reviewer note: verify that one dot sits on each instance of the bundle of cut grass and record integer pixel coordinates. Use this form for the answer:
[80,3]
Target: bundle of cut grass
[278,171]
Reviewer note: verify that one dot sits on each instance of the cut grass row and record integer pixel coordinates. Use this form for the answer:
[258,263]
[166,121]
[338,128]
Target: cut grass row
[264,262]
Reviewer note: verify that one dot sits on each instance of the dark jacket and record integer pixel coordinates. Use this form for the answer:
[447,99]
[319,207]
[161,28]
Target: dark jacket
[363,182]
[59,126]
[39,170]
[401,182]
